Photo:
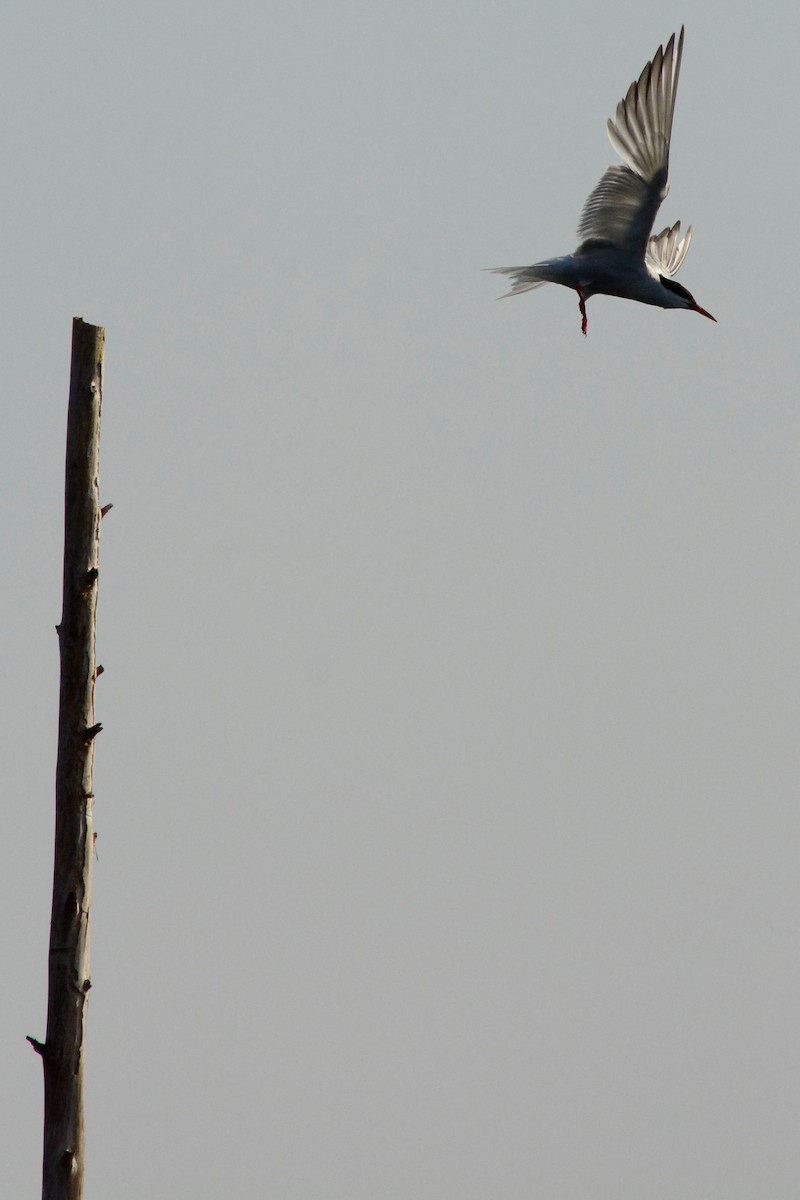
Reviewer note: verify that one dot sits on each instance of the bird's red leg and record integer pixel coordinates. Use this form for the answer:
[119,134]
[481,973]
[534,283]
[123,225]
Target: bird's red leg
[582,306]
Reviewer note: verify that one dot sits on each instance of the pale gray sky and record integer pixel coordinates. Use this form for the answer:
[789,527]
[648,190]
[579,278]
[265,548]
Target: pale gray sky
[447,796]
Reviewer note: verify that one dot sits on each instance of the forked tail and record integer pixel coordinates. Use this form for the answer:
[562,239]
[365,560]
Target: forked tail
[523,279]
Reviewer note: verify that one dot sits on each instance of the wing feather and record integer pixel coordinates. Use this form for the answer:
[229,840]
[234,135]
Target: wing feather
[667,250]
[621,209]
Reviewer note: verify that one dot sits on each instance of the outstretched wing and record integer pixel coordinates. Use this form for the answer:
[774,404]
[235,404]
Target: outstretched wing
[622,208]
[667,250]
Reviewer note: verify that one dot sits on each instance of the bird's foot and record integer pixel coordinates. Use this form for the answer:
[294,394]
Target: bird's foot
[584,318]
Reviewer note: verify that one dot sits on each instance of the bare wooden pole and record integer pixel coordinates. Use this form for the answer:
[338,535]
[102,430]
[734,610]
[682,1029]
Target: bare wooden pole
[68,985]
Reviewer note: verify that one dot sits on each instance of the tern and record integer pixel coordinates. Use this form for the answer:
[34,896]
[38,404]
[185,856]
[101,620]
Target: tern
[618,254]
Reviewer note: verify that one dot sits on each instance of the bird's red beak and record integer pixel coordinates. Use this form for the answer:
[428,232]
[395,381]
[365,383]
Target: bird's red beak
[703,313]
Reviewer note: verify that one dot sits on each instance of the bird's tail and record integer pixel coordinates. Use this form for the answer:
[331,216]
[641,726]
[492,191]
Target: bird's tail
[523,279]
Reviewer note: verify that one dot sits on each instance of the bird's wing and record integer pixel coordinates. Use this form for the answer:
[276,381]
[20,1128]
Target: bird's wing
[622,208]
[667,250]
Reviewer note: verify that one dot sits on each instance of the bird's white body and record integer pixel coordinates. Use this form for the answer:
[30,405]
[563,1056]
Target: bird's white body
[606,271]
[618,255]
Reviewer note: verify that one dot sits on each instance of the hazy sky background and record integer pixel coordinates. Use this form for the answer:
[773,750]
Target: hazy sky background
[447,795]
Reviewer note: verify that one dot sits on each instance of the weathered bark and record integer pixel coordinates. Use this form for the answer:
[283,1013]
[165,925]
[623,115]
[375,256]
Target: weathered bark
[63,1049]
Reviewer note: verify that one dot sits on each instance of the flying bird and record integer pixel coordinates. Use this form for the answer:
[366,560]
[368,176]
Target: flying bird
[618,254]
